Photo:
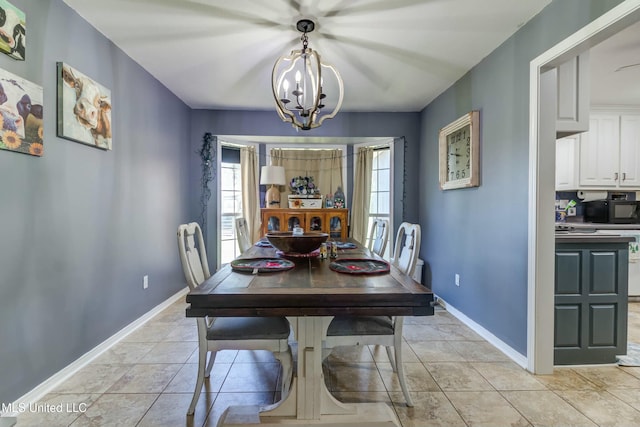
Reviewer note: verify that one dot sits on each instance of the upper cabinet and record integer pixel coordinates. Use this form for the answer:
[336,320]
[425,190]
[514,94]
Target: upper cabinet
[606,157]
[573,96]
[600,152]
[610,152]
[567,163]
[630,150]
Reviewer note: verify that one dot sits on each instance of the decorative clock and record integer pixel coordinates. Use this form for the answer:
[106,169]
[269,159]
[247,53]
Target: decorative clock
[459,152]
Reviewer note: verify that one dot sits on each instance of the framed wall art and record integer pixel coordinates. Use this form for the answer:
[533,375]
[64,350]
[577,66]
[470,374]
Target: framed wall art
[21,115]
[13,30]
[84,108]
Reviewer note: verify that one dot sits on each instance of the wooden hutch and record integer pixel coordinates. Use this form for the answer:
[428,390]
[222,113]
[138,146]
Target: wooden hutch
[331,221]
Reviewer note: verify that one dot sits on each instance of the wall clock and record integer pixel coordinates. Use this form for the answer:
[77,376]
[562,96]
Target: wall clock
[459,152]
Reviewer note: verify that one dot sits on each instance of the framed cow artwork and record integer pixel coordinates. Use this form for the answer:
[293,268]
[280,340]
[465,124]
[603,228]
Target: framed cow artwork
[84,108]
[21,112]
[13,30]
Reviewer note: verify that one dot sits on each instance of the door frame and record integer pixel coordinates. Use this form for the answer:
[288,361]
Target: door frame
[541,239]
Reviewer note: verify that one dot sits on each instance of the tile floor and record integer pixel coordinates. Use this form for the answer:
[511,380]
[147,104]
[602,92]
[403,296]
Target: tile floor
[456,379]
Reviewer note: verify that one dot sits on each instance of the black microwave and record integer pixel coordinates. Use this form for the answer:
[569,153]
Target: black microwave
[612,211]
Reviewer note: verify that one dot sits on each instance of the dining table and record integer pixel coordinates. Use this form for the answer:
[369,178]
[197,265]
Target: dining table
[310,293]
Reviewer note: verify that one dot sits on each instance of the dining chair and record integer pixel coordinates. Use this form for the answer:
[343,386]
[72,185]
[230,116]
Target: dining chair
[381,330]
[228,333]
[242,233]
[378,236]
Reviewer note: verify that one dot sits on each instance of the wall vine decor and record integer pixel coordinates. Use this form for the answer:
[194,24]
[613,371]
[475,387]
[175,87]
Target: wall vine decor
[207,155]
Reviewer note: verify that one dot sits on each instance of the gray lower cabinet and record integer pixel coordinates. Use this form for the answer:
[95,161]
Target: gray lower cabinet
[590,302]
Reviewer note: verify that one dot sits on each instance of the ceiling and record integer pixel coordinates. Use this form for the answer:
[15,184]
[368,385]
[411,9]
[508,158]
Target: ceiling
[393,55]
[613,80]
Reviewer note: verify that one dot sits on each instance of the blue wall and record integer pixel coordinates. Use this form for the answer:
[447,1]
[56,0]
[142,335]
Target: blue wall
[81,226]
[481,233]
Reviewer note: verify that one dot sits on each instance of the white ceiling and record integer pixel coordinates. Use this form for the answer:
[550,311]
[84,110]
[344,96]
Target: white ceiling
[611,85]
[393,55]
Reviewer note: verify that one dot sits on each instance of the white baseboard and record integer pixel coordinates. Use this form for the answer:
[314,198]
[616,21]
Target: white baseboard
[492,339]
[58,378]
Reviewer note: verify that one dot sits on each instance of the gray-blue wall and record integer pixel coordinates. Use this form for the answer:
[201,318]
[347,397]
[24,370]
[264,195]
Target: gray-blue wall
[481,233]
[81,226]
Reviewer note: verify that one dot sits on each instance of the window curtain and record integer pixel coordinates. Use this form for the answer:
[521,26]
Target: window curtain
[325,166]
[250,194]
[361,194]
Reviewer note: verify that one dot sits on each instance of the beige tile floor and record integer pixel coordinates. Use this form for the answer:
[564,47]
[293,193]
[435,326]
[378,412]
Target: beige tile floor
[455,377]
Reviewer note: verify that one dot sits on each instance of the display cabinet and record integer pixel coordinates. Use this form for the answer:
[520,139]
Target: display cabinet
[330,221]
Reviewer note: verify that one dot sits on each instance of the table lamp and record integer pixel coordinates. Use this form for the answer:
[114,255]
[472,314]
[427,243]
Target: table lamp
[272,175]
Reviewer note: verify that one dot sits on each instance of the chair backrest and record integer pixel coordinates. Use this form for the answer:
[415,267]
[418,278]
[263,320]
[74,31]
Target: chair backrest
[378,236]
[242,233]
[407,247]
[193,254]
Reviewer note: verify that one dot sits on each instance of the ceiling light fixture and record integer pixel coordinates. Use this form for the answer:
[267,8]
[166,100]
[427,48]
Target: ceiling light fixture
[300,81]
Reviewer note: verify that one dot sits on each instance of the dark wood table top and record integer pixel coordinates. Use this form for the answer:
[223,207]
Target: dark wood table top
[309,289]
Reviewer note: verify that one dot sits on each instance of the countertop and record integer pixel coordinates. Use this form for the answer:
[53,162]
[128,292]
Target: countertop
[598,226]
[571,232]
[593,237]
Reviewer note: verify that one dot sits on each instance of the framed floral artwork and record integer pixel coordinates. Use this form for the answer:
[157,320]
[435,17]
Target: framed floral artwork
[21,114]
[84,108]
[13,30]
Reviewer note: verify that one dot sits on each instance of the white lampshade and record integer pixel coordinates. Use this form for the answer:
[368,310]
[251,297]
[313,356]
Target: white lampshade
[273,175]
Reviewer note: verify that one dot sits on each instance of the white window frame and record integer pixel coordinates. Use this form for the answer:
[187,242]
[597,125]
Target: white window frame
[226,143]
[389,144]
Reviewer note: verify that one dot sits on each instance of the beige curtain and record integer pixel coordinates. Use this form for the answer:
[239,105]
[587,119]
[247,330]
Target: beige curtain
[361,194]
[250,194]
[325,166]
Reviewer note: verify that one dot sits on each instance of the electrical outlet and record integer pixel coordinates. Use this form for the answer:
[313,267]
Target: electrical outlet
[145,282]
[457,279]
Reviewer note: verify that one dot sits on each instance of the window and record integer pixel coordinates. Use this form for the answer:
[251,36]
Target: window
[230,207]
[380,202]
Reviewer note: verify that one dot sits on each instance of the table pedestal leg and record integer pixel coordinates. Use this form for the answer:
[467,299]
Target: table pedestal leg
[309,402]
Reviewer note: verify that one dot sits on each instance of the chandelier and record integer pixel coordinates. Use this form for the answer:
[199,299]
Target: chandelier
[300,82]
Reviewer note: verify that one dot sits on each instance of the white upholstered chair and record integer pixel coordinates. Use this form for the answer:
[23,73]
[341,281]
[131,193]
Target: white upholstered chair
[228,333]
[382,330]
[242,234]
[378,236]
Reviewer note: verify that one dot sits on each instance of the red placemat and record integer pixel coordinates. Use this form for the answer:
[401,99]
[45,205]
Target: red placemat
[360,266]
[261,265]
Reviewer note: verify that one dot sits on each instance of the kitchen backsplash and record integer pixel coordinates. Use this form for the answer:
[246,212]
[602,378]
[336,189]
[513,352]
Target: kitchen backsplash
[573,195]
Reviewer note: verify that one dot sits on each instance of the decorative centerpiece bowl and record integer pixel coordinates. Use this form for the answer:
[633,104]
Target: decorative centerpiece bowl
[302,244]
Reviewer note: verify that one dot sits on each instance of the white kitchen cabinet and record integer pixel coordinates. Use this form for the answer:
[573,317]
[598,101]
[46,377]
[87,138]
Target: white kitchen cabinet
[610,152]
[600,152]
[567,163]
[573,96]
[629,150]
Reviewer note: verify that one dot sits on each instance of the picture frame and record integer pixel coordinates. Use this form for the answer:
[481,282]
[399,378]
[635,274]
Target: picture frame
[84,108]
[21,115]
[13,31]
[459,153]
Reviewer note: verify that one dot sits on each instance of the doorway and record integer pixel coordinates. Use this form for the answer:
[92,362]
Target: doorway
[543,91]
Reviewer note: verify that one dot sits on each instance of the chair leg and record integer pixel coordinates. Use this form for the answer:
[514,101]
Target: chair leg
[391,358]
[212,358]
[286,360]
[202,360]
[400,372]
